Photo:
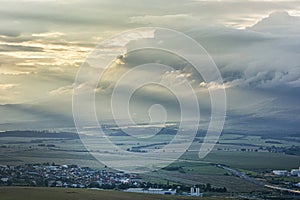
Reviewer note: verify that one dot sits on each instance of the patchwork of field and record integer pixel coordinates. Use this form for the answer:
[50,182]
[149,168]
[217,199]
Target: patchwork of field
[253,154]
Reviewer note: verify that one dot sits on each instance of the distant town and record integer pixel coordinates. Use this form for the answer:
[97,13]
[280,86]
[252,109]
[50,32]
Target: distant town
[52,175]
[73,176]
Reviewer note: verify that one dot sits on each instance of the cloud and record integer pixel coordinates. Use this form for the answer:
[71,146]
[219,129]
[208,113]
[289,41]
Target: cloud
[16,39]
[7,86]
[182,20]
[8,93]
[44,43]
[41,53]
[14,48]
[48,34]
[65,90]
[278,23]
[8,66]
[214,85]
[237,14]
[252,58]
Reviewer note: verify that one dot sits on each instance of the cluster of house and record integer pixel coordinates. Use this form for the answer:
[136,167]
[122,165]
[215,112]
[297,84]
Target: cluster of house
[73,176]
[293,172]
[52,175]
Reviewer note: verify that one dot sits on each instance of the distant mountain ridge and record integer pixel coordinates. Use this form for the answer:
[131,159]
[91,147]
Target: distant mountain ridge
[39,134]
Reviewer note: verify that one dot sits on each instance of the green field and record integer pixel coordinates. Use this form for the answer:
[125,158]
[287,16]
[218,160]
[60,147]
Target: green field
[255,160]
[232,183]
[18,150]
[24,193]
[189,169]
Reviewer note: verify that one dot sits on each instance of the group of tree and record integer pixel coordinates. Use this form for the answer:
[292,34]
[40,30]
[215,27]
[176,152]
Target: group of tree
[179,187]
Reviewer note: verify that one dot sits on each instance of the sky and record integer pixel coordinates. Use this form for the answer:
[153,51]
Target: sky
[255,45]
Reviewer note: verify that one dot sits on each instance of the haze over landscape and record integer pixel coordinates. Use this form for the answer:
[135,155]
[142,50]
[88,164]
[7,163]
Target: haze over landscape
[48,57]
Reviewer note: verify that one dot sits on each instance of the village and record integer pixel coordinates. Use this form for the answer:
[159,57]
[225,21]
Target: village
[73,176]
[52,175]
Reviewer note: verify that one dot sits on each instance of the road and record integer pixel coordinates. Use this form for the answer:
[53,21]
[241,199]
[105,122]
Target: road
[252,180]
[241,175]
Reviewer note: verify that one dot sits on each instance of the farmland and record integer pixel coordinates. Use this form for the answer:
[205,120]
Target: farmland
[251,153]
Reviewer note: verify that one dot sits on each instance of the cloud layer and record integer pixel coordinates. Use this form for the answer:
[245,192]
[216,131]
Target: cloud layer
[255,44]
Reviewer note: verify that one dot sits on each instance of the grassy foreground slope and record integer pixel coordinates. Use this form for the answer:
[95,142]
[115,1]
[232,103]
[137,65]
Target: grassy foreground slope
[27,193]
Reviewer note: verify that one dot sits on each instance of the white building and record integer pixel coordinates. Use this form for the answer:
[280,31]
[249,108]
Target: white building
[161,191]
[195,192]
[152,191]
[295,172]
[280,172]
